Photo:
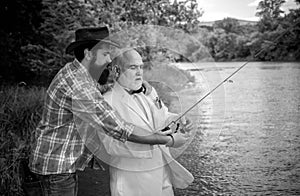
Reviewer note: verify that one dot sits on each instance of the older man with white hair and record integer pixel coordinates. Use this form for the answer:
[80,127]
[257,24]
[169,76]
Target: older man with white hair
[140,169]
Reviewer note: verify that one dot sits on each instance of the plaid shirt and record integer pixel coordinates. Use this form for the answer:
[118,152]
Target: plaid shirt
[74,117]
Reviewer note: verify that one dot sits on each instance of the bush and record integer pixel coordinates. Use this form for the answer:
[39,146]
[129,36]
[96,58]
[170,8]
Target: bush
[20,111]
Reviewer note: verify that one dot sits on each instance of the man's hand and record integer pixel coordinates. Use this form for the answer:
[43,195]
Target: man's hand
[183,125]
[186,125]
[165,131]
[179,140]
[169,130]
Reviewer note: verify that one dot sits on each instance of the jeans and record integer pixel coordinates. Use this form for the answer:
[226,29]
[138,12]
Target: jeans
[52,185]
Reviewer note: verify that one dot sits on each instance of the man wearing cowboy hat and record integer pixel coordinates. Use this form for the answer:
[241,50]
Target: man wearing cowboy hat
[75,115]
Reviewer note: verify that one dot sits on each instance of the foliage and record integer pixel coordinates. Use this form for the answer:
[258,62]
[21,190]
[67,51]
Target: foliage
[280,32]
[127,22]
[269,12]
[20,21]
[60,19]
[292,39]
[277,38]
[34,46]
[119,14]
[229,25]
[270,8]
[51,25]
[20,110]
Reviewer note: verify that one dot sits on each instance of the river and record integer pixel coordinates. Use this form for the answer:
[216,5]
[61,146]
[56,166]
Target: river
[248,131]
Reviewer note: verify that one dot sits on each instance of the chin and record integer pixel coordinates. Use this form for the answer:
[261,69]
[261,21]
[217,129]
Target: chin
[136,88]
[139,85]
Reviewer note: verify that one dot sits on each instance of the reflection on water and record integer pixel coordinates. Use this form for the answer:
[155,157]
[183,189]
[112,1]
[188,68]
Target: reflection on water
[248,141]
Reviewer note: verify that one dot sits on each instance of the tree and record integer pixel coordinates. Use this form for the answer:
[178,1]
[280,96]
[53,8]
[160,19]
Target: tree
[270,13]
[290,42]
[270,8]
[56,21]
[276,42]
[230,25]
[20,21]
[119,14]
[60,19]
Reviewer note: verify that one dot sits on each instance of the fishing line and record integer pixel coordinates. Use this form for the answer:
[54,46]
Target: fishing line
[273,43]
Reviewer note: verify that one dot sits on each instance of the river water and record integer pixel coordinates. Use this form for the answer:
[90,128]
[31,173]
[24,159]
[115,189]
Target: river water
[248,131]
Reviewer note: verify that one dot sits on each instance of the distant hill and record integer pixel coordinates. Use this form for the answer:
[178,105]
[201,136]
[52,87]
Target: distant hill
[241,22]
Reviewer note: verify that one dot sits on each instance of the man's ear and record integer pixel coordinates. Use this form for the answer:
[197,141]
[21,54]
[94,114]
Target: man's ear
[118,70]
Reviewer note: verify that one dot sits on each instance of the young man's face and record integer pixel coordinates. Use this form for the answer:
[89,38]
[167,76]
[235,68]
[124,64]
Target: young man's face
[102,57]
[131,75]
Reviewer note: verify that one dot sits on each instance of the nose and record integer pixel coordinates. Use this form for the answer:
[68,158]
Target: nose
[139,70]
[108,58]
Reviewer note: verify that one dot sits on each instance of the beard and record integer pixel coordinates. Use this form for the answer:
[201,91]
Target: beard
[98,70]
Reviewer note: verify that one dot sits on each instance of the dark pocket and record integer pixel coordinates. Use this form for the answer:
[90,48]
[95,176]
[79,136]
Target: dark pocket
[60,178]
[63,184]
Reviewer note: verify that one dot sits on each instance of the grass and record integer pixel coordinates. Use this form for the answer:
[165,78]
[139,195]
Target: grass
[20,111]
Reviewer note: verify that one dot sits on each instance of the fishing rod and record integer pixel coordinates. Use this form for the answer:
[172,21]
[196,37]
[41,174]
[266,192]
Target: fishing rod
[226,79]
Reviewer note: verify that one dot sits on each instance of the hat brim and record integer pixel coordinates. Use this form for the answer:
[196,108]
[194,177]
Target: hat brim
[76,44]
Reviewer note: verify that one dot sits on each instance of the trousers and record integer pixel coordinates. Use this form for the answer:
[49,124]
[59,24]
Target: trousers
[52,185]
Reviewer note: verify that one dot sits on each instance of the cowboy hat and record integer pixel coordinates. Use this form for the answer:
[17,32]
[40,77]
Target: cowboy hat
[89,35]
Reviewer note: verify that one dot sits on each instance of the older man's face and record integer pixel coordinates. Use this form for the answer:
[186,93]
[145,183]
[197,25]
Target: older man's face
[131,75]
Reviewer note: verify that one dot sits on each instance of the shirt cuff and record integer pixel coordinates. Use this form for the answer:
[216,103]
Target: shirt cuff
[127,131]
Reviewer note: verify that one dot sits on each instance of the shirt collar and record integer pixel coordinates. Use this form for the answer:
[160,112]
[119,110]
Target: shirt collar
[131,92]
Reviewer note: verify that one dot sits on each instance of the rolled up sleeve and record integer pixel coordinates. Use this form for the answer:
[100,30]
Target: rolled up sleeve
[90,108]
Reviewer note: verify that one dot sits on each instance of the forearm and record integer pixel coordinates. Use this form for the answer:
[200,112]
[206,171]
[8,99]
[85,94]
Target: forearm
[148,139]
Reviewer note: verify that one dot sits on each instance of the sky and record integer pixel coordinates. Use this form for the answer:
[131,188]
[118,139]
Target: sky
[239,9]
